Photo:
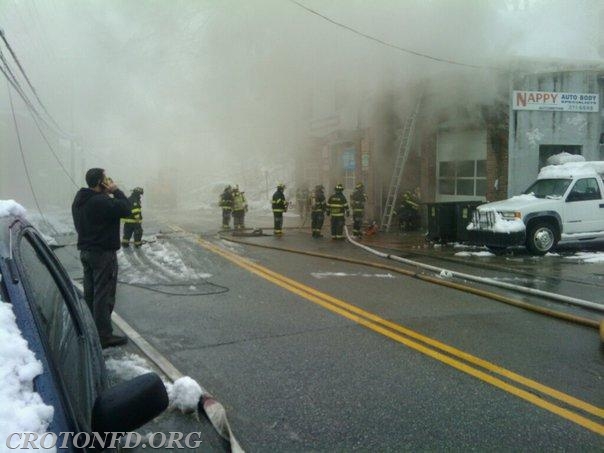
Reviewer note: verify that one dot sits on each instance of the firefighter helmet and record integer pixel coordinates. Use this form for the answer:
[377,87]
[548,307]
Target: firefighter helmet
[339,188]
[359,185]
[138,190]
[281,186]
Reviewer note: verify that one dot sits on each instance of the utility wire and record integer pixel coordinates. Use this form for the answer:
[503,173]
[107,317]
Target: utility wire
[31,186]
[10,76]
[35,115]
[393,46]
[10,49]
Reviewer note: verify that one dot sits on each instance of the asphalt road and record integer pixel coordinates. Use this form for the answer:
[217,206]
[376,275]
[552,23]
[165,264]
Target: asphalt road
[298,369]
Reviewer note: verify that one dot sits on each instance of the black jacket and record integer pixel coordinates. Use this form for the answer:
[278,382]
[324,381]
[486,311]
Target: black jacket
[279,204]
[96,217]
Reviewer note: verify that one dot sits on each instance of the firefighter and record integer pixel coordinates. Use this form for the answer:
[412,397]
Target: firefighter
[317,208]
[337,207]
[239,209]
[409,211]
[279,206]
[133,224]
[226,203]
[358,199]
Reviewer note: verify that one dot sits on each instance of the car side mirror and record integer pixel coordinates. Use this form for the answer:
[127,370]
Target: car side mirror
[130,404]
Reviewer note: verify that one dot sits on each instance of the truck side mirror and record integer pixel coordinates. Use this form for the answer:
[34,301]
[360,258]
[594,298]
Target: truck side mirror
[129,405]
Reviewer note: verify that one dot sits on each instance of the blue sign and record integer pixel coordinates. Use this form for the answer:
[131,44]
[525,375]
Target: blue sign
[348,159]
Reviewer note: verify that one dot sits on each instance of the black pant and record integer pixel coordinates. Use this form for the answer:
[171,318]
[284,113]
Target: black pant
[238,219]
[226,218]
[100,282]
[278,222]
[317,219]
[337,227]
[131,228]
[357,218]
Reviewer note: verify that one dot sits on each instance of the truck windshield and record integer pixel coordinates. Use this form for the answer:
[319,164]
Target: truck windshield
[548,188]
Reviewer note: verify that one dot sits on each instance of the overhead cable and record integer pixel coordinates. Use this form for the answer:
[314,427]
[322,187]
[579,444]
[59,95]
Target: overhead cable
[35,115]
[10,49]
[25,167]
[393,46]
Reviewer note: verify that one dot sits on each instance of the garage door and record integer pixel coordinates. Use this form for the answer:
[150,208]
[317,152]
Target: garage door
[461,172]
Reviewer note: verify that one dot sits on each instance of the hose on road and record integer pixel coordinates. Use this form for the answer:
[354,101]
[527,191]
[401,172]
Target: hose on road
[438,281]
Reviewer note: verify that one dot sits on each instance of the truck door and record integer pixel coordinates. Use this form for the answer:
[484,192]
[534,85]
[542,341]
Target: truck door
[584,207]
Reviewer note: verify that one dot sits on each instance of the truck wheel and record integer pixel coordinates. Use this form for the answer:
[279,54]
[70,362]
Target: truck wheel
[541,237]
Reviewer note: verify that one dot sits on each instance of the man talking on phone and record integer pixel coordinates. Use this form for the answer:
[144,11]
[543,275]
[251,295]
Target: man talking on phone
[96,216]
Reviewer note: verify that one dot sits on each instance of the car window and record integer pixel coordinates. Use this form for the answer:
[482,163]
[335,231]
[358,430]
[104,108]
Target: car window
[551,188]
[585,189]
[58,324]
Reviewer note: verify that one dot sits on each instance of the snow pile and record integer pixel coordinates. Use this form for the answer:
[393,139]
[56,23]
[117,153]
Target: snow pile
[21,408]
[524,197]
[11,207]
[483,253]
[586,257]
[169,259]
[125,367]
[184,394]
[160,263]
[563,158]
[571,170]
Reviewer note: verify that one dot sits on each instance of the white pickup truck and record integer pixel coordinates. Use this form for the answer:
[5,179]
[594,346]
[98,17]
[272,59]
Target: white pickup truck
[564,204]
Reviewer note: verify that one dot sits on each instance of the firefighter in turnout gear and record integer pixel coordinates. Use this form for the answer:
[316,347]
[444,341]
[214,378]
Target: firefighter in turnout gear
[226,203]
[358,199]
[133,224]
[317,211]
[239,209]
[337,207]
[279,206]
[409,218]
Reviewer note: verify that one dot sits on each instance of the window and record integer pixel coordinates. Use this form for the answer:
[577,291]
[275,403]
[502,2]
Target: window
[585,189]
[549,188]
[51,302]
[464,177]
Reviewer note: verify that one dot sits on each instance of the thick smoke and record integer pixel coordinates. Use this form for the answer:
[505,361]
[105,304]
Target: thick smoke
[204,91]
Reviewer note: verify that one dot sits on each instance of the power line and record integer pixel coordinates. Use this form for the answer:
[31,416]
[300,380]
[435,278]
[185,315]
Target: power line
[387,44]
[10,49]
[12,79]
[35,115]
[31,186]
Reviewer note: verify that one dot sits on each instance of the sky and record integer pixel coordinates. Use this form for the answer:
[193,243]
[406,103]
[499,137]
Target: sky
[203,91]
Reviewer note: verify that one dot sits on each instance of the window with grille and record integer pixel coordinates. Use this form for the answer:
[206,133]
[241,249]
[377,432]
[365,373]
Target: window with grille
[463,177]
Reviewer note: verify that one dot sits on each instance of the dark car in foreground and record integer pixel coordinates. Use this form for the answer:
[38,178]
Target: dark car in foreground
[58,327]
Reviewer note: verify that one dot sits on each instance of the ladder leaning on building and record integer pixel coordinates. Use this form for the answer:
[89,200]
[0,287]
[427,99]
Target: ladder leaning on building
[404,149]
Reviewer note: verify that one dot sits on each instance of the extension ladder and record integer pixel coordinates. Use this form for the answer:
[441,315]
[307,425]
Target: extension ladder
[404,148]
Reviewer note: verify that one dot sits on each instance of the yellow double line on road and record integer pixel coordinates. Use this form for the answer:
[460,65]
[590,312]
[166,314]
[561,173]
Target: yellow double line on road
[449,355]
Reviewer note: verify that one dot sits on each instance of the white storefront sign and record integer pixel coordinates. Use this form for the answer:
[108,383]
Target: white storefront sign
[549,100]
